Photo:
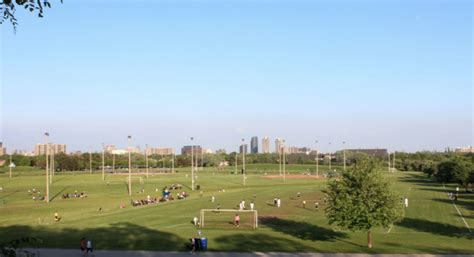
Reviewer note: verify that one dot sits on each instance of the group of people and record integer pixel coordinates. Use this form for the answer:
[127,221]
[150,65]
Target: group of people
[86,246]
[82,195]
[36,194]
[155,200]
[242,205]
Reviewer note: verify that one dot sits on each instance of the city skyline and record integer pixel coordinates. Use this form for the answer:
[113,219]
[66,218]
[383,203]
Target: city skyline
[371,74]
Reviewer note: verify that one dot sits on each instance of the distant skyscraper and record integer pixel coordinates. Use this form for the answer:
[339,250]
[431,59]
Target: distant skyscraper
[278,144]
[254,145]
[266,145]
[243,148]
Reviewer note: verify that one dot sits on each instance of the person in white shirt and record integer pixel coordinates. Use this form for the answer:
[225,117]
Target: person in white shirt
[252,205]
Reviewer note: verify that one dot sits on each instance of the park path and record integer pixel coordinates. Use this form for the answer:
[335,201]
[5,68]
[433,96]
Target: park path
[115,253]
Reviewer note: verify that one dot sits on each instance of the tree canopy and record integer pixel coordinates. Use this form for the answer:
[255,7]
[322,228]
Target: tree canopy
[9,7]
[360,199]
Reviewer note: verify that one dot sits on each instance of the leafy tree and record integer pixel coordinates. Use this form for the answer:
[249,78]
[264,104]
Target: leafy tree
[360,199]
[9,7]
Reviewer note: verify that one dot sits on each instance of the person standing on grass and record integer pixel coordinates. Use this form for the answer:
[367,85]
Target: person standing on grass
[304,204]
[406,202]
[213,198]
[237,220]
[252,205]
[83,246]
[278,202]
[89,246]
[316,205]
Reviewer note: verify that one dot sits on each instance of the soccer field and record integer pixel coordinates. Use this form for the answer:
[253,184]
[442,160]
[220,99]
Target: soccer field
[432,223]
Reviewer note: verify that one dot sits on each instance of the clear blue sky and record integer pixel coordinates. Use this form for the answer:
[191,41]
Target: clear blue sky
[394,74]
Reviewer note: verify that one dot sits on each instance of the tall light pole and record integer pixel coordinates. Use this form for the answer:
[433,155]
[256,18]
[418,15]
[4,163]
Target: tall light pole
[129,166]
[51,166]
[243,160]
[284,161]
[317,160]
[146,159]
[192,163]
[103,161]
[344,153]
[47,166]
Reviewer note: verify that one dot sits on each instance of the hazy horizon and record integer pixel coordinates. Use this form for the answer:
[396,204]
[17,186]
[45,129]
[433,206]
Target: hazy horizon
[389,74]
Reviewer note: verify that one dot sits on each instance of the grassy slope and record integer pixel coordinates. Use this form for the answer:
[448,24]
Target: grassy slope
[432,225]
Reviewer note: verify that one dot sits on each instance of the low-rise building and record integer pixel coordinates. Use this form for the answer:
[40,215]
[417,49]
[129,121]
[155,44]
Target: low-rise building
[159,151]
[186,150]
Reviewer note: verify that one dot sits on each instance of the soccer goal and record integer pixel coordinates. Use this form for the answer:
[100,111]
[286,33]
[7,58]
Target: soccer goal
[225,218]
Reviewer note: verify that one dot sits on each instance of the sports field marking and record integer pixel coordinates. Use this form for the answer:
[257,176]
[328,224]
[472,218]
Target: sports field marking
[459,212]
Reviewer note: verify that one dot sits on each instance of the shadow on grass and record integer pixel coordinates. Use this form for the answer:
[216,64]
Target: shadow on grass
[435,228]
[58,193]
[260,242]
[466,204]
[302,230]
[122,235]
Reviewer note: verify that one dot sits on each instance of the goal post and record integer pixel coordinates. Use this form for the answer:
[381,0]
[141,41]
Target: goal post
[226,217]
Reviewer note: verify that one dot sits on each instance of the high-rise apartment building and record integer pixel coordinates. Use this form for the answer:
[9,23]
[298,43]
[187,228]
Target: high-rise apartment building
[243,148]
[159,151]
[3,150]
[266,145]
[254,145]
[278,144]
[40,149]
[187,149]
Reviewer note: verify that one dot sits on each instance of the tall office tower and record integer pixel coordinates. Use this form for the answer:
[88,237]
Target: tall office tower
[254,145]
[266,145]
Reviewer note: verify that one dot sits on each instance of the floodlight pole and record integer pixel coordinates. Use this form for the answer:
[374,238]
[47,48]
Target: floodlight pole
[129,167]
[146,159]
[47,166]
[192,164]
[243,160]
[103,161]
[53,168]
[344,152]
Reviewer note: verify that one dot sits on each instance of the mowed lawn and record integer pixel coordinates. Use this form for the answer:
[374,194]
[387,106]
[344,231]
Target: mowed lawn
[431,223]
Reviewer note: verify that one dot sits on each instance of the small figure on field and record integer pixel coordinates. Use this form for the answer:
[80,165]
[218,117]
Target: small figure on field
[304,204]
[237,220]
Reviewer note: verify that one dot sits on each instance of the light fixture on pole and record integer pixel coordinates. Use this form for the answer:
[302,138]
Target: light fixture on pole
[344,153]
[129,166]
[47,166]
[192,163]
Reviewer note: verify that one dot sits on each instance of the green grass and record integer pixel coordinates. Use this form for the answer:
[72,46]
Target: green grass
[431,224]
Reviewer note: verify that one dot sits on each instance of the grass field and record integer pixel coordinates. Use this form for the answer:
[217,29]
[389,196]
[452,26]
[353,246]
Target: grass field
[431,224]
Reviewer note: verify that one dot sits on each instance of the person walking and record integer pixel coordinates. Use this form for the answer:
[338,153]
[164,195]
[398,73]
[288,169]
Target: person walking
[304,204]
[237,220]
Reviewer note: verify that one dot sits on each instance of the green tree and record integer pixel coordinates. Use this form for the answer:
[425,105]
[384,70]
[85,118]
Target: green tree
[360,199]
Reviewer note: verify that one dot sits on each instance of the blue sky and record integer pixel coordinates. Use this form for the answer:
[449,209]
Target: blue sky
[394,74]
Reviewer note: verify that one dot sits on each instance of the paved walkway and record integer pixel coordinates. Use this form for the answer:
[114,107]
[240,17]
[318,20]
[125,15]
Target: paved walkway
[114,253]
